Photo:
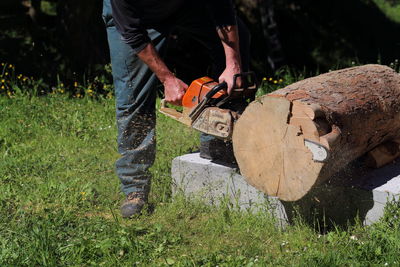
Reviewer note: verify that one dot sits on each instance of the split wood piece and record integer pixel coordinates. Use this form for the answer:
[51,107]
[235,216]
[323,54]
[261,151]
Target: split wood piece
[311,111]
[330,139]
[383,154]
[311,120]
[314,128]
[281,139]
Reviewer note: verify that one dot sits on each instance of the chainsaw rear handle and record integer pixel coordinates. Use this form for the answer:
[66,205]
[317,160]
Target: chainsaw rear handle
[248,80]
[248,83]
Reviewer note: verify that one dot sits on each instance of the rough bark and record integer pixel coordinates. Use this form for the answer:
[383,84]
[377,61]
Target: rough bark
[295,138]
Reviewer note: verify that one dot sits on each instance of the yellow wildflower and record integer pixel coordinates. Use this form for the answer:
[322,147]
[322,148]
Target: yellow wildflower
[11,66]
[270,79]
[90,91]
[280,80]
[76,84]
[2,64]
[62,85]
[6,74]
[264,79]
[2,87]
[83,193]
[3,81]
[275,82]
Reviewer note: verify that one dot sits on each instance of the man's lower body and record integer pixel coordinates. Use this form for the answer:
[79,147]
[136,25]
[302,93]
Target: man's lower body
[136,90]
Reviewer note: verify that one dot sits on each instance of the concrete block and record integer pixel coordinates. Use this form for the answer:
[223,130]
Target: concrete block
[199,177]
[356,193]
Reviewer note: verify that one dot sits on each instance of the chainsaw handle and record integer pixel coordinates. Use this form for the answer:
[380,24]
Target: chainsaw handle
[216,89]
[248,79]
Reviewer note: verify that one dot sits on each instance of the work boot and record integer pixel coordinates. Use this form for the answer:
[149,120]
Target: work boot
[217,150]
[133,204]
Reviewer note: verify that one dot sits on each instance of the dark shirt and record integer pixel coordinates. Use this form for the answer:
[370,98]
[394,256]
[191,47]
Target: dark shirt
[133,17]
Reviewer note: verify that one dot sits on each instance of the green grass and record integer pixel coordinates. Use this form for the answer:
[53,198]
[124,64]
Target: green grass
[60,197]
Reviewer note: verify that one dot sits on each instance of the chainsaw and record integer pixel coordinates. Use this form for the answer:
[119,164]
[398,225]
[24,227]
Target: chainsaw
[208,108]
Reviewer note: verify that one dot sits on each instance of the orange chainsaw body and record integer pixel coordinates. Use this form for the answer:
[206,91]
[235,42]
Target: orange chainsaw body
[197,90]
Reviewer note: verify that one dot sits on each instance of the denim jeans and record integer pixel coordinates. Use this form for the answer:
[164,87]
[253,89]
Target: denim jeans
[135,88]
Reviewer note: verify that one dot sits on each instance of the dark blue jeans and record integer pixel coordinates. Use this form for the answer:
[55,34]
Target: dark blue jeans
[135,88]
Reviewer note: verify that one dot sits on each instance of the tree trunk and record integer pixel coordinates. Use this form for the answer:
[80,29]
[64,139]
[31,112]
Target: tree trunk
[292,139]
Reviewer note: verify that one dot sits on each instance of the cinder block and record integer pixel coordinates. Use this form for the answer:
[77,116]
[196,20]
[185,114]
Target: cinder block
[356,193]
[202,178]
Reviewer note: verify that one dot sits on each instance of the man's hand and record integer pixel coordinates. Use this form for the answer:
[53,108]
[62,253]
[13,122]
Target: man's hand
[227,76]
[174,89]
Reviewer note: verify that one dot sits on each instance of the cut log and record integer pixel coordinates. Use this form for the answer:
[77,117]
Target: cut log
[295,138]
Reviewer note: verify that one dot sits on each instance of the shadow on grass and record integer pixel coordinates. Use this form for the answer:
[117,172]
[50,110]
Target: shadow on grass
[348,199]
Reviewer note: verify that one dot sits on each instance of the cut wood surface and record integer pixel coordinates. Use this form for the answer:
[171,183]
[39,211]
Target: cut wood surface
[295,138]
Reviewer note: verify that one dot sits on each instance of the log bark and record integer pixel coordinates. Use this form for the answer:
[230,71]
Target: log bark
[295,138]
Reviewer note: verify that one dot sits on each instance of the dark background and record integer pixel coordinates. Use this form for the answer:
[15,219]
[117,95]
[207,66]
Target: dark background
[65,39]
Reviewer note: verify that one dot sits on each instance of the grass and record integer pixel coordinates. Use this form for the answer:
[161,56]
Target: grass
[60,197]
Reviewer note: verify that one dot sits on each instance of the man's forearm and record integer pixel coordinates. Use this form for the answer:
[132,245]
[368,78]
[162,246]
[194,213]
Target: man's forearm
[174,88]
[230,41]
[150,56]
